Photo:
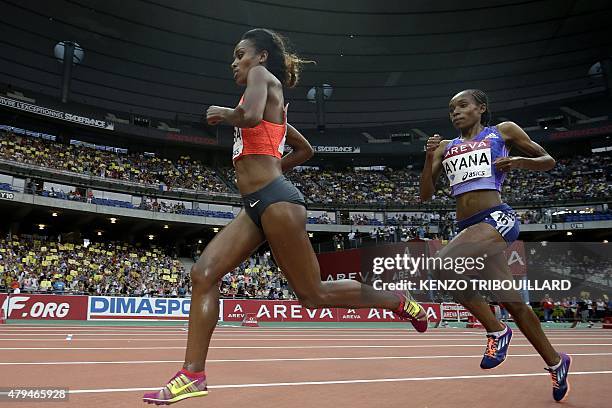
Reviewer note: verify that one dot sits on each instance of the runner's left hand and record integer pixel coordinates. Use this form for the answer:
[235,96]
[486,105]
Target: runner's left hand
[508,163]
[215,114]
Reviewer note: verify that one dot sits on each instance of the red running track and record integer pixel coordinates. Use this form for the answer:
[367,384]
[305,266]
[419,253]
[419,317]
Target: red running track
[111,366]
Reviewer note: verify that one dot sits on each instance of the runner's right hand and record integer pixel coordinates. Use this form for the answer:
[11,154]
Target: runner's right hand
[432,143]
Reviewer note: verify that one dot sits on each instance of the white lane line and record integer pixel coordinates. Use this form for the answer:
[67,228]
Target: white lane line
[234,329]
[88,326]
[360,381]
[269,360]
[297,347]
[303,336]
[254,339]
[236,334]
[93,332]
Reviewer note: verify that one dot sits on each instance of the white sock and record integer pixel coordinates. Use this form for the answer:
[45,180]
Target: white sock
[498,333]
[556,365]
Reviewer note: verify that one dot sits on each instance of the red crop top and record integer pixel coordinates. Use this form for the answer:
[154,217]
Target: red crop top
[266,138]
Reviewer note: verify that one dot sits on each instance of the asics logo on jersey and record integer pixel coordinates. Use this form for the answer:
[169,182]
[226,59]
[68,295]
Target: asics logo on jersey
[254,204]
[472,174]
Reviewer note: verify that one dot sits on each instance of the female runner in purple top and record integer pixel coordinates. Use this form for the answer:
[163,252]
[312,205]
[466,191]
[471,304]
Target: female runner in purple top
[476,163]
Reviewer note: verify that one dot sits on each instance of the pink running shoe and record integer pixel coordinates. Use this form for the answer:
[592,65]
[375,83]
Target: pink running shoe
[178,388]
[411,310]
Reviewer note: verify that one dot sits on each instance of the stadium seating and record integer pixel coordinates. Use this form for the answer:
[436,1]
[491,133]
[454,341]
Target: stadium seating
[578,178]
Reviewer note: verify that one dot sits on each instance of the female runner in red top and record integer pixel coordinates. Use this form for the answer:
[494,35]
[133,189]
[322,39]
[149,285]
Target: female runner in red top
[274,211]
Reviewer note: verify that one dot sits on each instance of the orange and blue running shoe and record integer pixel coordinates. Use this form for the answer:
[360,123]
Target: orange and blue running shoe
[411,310]
[177,389]
[560,382]
[497,349]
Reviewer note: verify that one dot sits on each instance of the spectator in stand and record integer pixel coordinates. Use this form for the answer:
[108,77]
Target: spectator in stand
[573,310]
[548,306]
[59,286]
[351,239]
[600,309]
[583,311]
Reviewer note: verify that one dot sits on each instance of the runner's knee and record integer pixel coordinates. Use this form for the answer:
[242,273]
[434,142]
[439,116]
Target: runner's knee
[466,296]
[203,276]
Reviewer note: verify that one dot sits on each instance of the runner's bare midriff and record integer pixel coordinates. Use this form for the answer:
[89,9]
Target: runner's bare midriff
[255,171]
[475,201]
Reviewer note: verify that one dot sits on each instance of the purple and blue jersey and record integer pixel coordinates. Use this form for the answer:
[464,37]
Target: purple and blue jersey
[469,164]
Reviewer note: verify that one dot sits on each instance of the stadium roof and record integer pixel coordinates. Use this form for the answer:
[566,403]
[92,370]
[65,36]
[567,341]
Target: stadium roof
[389,62]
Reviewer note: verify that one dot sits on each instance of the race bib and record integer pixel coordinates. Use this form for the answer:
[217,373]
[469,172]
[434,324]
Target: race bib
[467,161]
[503,218]
[238,144]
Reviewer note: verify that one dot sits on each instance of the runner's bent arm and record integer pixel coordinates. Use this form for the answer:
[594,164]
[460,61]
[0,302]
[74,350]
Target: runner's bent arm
[537,158]
[249,113]
[302,150]
[432,167]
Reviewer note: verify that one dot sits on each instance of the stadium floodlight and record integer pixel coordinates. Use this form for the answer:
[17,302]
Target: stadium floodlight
[69,53]
[151,237]
[318,95]
[60,51]
[166,226]
[596,70]
[327,90]
[41,226]
[215,229]
[54,214]
[553,122]
[602,70]
[113,220]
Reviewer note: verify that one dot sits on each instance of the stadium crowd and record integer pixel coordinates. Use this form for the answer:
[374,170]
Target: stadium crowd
[37,264]
[576,308]
[257,277]
[577,178]
[580,178]
[141,168]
